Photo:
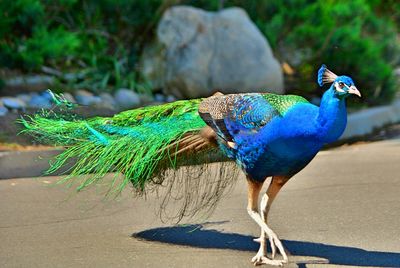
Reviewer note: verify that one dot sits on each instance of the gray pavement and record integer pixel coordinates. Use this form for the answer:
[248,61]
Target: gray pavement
[342,210]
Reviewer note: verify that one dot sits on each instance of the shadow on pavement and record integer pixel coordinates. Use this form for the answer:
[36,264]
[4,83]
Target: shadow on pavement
[196,236]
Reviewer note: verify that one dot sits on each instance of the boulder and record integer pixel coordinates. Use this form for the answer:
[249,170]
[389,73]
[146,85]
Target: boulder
[146,98]
[24,97]
[170,98]
[198,52]
[159,97]
[13,103]
[107,101]
[47,95]
[127,99]
[86,98]
[68,96]
[3,110]
[40,101]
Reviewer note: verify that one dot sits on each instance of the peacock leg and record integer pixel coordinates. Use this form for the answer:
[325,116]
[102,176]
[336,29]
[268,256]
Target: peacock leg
[274,187]
[254,189]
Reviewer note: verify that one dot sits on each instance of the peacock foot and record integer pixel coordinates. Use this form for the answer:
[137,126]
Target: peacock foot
[260,259]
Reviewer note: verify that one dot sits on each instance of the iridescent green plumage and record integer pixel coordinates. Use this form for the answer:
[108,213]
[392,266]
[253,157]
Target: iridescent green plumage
[132,142]
[283,102]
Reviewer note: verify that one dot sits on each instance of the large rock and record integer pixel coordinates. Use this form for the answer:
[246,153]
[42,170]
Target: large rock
[127,99]
[86,98]
[68,96]
[40,101]
[3,110]
[107,101]
[13,103]
[25,97]
[199,52]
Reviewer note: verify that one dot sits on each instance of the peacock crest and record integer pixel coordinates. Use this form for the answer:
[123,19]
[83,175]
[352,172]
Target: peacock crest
[325,76]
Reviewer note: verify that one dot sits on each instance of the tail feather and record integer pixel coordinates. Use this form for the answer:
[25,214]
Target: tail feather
[132,142]
[140,143]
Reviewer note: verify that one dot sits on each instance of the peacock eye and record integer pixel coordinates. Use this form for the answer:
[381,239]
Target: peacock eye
[341,85]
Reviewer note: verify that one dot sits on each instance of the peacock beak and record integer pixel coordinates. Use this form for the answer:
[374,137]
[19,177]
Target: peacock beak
[354,90]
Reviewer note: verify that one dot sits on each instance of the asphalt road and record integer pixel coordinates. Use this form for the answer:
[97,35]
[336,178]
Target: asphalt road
[342,210]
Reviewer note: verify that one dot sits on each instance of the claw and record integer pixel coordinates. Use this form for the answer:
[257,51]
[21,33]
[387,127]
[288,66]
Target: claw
[260,259]
[276,243]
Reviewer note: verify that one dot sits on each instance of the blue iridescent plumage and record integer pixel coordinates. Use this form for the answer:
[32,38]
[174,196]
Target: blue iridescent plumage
[277,135]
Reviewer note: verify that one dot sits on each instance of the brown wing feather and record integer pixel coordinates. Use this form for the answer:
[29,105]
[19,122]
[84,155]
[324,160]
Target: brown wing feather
[213,111]
[193,142]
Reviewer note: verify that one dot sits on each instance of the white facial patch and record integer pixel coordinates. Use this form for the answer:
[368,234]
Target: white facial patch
[338,89]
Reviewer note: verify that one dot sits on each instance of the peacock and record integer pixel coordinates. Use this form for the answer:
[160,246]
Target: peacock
[264,134]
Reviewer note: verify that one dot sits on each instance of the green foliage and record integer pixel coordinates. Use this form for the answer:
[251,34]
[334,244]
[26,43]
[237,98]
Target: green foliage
[99,41]
[25,39]
[346,35]
[44,44]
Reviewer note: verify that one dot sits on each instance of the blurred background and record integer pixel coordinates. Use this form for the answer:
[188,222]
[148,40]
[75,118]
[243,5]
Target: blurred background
[112,55]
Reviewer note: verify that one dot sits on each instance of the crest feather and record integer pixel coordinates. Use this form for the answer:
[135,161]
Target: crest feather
[325,76]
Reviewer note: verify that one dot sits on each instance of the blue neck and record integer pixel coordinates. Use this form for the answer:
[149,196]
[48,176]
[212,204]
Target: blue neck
[332,116]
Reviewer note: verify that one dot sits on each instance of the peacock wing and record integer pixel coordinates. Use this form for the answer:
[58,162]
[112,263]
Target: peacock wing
[229,115]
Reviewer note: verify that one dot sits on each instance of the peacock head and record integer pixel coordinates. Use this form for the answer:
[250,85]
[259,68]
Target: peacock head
[343,85]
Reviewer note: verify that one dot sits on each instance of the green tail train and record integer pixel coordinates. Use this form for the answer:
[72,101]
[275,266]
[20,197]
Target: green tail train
[140,143]
[131,142]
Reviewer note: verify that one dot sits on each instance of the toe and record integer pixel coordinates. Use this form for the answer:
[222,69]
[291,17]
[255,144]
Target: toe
[265,260]
[260,260]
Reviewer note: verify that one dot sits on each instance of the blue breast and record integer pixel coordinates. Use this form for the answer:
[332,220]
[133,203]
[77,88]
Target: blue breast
[282,157]
[283,147]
